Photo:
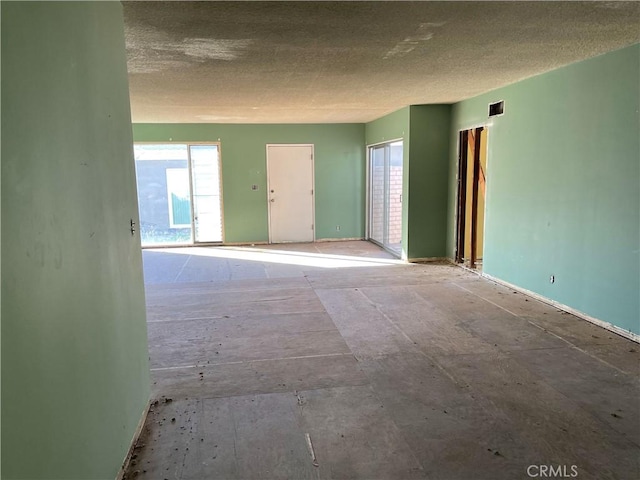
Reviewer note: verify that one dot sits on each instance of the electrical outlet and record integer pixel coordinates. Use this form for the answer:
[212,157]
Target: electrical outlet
[337,228]
[552,278]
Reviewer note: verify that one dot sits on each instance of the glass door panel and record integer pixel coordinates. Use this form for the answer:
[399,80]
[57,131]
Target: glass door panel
[377,195]
[207,208]
[385,196]
[164,200]
[394,198]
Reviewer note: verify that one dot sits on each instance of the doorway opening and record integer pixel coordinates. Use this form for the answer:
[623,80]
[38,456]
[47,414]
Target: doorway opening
[179,193]
[472,168]
[385,195]
[291,193]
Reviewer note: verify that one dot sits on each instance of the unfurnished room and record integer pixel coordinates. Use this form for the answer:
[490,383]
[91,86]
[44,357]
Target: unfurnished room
[320,240]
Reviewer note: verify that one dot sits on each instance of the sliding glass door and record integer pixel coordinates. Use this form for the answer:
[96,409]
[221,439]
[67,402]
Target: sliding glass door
[385,195]
[179,193]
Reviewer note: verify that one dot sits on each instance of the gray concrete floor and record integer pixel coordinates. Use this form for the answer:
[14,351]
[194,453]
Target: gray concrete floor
[390,371]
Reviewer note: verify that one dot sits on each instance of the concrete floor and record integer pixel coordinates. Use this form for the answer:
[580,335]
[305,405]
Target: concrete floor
[388,371]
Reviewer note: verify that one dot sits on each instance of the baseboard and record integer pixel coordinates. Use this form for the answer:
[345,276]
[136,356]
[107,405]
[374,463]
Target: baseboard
[134,440]
[317,240]
[247,244]
[243,244]
[600,323]
[351,239]
[428,260]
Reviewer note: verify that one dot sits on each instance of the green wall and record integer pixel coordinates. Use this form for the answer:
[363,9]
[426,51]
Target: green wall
[428,172]
[339,173]
[563,185]
[393,126]
[425,131]
[75,374]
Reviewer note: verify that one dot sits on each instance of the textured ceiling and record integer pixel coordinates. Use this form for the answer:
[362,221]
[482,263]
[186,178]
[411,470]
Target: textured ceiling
[318,62]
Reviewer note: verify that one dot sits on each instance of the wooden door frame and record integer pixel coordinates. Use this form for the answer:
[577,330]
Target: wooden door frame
[474,196]
[462,182]
[461,194]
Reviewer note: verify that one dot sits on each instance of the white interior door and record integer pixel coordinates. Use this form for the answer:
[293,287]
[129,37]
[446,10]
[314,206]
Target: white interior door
[290,185]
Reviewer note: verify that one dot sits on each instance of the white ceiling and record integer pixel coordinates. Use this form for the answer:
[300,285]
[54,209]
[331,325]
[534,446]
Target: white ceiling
[332,62]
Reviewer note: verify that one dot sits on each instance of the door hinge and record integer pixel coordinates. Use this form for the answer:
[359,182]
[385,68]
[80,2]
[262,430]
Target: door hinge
[312,191]
[311,226]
